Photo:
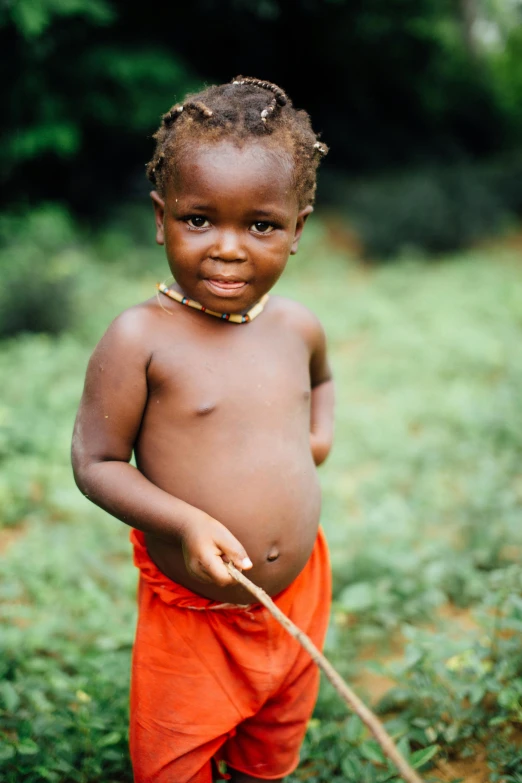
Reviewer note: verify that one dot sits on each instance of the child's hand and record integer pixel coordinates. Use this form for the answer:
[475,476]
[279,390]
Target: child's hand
[206,545]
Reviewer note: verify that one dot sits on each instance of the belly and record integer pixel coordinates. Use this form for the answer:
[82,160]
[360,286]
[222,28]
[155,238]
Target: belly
[263,488]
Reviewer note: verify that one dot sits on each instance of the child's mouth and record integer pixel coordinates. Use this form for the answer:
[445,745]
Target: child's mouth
[223,287]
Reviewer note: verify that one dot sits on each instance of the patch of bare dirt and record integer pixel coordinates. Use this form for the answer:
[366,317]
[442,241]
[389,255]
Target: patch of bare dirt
[341,236]
[512,241]
[457,618]
[8,536]
[473,770]
[372,684]
[456,621]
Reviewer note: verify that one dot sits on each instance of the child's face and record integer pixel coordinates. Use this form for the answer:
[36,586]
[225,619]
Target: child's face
[229,221]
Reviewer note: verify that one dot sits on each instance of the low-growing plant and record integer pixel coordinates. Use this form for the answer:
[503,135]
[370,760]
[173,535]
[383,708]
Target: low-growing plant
[465,692]
[342,751]
[64,675]
[37,274]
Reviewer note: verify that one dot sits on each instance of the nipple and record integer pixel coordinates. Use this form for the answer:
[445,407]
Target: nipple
[273,554]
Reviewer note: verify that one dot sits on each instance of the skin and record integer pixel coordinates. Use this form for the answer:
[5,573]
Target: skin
[227,421]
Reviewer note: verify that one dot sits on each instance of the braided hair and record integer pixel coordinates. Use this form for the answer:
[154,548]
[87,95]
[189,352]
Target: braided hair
[245,109]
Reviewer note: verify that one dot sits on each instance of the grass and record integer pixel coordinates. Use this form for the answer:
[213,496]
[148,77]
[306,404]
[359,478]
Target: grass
[421,507]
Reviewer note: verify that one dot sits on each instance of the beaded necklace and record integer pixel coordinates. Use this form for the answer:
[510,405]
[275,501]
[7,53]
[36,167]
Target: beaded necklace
[236,318]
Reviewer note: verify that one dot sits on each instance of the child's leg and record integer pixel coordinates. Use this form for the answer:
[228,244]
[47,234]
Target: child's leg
[180,714]
[269,742]
[157,761]
[266,745]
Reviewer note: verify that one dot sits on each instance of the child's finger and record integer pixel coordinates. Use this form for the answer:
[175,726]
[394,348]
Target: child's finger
[216,571]
[207,562]
[236,554]
[208,566]
[241,561]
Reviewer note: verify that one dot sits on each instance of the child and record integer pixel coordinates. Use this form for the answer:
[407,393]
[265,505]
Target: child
[227,403]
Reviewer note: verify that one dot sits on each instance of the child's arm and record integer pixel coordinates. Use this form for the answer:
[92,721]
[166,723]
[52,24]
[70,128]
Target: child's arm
[107,425]
[323,397]
[321,420]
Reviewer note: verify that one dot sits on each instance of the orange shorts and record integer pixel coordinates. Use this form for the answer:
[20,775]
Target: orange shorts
[220,681]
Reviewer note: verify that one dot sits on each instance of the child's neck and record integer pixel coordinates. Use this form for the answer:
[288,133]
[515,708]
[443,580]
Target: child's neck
[175,292]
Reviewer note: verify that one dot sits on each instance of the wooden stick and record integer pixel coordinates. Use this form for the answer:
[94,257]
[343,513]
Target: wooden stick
[345,692]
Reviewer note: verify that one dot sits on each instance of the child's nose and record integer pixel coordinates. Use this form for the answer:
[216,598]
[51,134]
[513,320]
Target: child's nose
[229,246]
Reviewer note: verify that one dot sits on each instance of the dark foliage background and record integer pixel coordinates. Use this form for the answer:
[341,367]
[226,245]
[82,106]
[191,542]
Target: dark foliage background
[391,84]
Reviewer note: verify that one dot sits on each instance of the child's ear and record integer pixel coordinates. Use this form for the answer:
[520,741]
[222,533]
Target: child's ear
[159,212]
[301,220]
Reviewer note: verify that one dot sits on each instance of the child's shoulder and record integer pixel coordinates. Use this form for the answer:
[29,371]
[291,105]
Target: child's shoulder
[296,316]
[136,318]
[136,327]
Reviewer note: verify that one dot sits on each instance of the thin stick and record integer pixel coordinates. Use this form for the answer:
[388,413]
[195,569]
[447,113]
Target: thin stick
[345,692]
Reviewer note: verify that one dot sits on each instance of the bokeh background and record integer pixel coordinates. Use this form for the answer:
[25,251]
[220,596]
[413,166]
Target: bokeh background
[412,261]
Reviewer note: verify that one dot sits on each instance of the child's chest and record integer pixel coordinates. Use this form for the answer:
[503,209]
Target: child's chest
[237,371]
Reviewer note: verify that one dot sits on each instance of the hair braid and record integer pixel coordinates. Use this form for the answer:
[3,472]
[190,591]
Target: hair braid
[239,111]
[280,95]
[269,110]
[172,115]
[199,107]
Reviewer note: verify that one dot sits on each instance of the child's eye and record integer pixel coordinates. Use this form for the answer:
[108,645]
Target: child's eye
[262,227]
[197,221]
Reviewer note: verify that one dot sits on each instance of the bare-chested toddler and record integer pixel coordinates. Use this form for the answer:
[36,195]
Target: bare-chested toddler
[224,394]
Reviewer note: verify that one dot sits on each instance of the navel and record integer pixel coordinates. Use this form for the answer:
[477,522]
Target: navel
[273,554]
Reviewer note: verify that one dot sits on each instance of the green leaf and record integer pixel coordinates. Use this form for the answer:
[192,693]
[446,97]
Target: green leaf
[372,751]
[109,739]
[357,597]
[48,774]
[352,769]
[6,752]
[27,747]
[477,693]
[354,729]
[403,747]
[422,756]
[10,697]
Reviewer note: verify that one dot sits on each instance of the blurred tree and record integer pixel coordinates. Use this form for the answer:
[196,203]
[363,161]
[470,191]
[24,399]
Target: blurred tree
[81,97]
[391,83]
[468,16]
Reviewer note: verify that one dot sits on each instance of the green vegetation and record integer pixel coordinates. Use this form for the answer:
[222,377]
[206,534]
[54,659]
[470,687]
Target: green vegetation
[428,210]
[421,507]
